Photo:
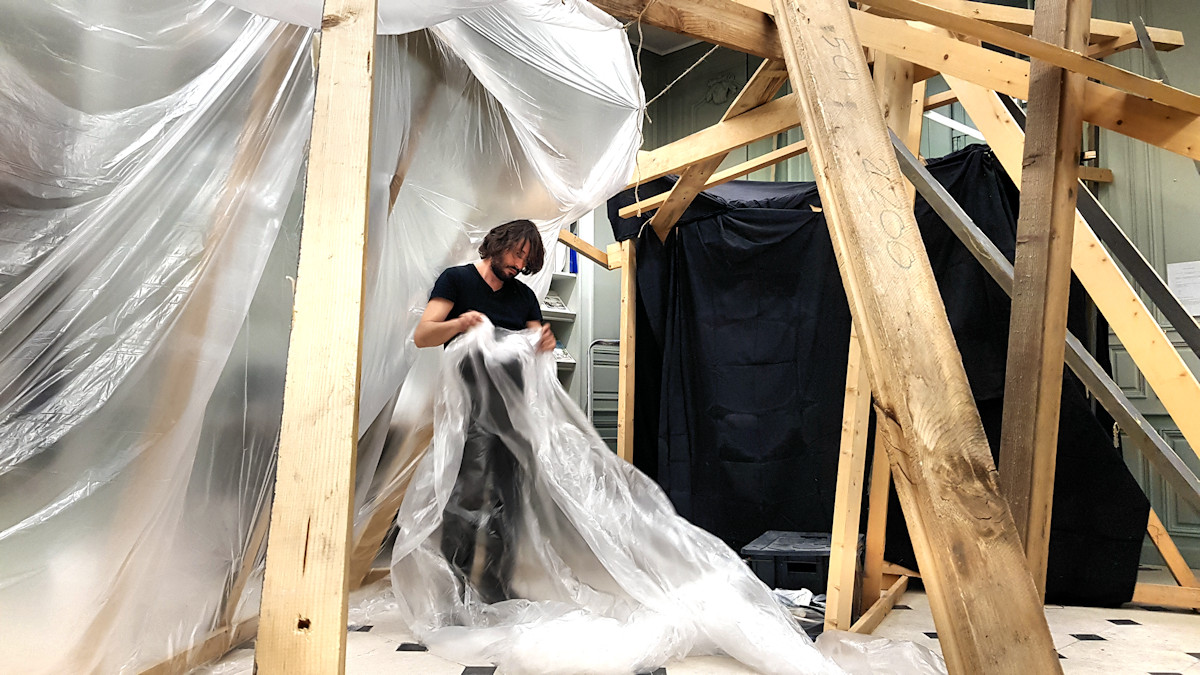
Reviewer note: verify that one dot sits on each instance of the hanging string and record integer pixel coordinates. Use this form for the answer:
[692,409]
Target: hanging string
[646,110]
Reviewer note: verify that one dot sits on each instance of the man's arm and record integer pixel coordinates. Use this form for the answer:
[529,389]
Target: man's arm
[546,341]
[434,330]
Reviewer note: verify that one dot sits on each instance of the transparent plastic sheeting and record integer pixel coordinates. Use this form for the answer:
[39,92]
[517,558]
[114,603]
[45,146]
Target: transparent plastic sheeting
[395,17]
[151,177]
[525,542]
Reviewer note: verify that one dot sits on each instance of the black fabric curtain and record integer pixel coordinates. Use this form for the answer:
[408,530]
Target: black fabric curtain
[743,330]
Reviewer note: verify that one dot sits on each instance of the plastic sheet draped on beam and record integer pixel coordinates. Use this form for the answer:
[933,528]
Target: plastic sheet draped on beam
[151,183]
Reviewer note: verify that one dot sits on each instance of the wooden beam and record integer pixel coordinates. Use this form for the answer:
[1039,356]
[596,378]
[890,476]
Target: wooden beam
[721,177]
[940,99]
[871,618]
[902,100]
[625,360]
[761,87]
[877,513]
[1095,174]
[766,120]
[401,469]
[1133,116]
[376,574]
[1042,284]
[721,22]
[1045,49]
[584,248]
[985,605]
[1106,37]
[306,584]
[1161,365]
[900,97]
[892,569]
[847,503]
[1182,597]
[217,644]
[1170,553]
[1140,432]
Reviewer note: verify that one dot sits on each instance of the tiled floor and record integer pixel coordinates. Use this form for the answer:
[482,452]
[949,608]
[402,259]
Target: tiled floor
[1132,640]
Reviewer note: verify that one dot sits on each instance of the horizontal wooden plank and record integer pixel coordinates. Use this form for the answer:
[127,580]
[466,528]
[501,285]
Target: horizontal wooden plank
[940,99]
[583,248]
[766,120]
[1109,36]
[1183,597]
[217,644]
[1133,116]
[925,10]
[1095,174]
[1124,113]
[720,22]
[870,620]
[732,173]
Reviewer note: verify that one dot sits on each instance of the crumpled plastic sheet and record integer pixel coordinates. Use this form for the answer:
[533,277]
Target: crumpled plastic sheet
[870,655]
[150,198]
[543,552]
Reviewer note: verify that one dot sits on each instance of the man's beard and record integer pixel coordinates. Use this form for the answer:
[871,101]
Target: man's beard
[504,273]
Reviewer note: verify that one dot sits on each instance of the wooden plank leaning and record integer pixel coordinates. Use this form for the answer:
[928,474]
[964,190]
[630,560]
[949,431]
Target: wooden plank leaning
[303,624]
[847,501]
[1042,283]
[1107,393]
[1130,319]
[984,602]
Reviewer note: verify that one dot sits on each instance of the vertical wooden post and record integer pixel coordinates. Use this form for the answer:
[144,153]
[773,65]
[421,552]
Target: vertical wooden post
[625,379]
[303,628]
[847,503]
[985,605]
[903,104]
[1042,283]
[877,512]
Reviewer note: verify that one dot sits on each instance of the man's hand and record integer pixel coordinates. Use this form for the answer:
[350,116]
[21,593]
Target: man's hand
[468,320]
[546,341]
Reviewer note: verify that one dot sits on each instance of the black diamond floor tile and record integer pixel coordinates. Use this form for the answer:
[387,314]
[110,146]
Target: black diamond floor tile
[411,647]
[1164,673]
[1086,637]
[1194,654]
[931,635]
[479,670]
[1060,656]
[361,629]
[1124,622]
[901,607]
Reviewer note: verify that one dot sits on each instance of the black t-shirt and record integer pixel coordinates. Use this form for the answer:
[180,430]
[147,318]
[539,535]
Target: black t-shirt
[511,307]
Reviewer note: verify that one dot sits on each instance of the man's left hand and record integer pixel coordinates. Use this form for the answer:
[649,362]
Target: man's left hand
[546,340]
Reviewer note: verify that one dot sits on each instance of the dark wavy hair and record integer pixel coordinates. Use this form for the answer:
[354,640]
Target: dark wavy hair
[509,237]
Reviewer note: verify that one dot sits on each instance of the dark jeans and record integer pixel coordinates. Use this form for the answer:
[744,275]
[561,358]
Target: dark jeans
[481,522]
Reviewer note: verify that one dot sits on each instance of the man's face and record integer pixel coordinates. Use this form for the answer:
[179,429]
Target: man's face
[509,264]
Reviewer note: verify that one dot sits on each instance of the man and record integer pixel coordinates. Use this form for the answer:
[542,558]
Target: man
[463,295]
[481,520]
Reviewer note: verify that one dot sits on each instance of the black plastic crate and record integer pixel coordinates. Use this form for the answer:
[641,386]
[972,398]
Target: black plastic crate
[792,560]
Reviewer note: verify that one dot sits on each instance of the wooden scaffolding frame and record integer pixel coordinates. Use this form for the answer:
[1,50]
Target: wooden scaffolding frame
[986,602]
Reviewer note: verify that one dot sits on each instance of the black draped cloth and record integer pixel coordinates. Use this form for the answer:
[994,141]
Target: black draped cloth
[743,330]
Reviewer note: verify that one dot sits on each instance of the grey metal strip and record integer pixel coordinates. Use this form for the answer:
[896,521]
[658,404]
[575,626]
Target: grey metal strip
[1124,251]
[1153,447]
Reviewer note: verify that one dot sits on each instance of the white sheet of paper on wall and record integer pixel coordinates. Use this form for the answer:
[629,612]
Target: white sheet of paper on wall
[1184,280]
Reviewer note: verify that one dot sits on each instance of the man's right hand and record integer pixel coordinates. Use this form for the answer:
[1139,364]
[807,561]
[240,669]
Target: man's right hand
[467,320]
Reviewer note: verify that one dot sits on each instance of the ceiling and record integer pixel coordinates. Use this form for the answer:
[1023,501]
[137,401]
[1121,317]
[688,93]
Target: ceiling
[659,41]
